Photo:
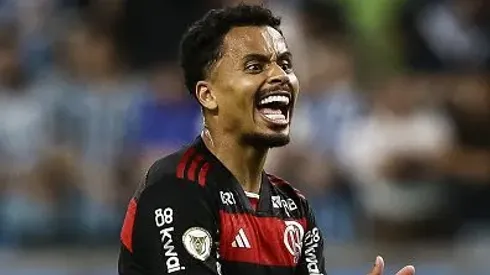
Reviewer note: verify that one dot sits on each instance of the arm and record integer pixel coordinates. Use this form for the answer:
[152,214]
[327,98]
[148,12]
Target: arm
[312,261]
[169,229]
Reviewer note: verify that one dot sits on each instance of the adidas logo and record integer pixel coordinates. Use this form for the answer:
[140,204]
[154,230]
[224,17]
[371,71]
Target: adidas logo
[241,240]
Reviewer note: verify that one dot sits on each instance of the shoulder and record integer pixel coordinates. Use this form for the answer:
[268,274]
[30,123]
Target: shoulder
[287,189]
[291,193]
[284,185]
[182,172]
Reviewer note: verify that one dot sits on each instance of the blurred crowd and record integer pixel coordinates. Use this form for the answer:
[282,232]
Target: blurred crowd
[391,136]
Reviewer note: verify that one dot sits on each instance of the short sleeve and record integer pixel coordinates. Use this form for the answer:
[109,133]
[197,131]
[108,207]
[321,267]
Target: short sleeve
[169,227]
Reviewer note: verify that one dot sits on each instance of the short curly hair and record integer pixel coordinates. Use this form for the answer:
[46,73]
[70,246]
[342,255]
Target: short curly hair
[201,45]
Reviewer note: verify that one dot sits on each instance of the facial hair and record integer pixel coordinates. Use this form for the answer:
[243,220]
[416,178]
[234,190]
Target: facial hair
[265,141]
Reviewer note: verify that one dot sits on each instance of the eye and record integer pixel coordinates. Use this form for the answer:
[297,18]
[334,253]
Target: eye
[287,66]
[254,67]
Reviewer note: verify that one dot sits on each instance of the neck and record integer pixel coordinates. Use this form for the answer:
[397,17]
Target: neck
[245,162]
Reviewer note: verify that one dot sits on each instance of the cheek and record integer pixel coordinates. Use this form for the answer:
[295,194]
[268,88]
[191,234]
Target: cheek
[294,82]
[239,95]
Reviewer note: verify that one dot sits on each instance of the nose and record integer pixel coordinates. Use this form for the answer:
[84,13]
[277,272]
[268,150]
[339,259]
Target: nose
[278,75]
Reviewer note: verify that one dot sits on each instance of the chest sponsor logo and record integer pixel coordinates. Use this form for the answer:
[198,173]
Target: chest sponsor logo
[293,238]
[289,205]
[197,241]
[227,198]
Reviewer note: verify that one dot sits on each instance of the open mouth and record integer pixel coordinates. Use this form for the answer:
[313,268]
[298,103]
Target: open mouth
[275,107]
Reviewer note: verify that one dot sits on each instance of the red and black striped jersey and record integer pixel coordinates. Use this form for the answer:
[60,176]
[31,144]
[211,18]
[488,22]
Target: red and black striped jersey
[191,216]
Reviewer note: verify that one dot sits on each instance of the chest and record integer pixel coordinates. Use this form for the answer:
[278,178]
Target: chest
[270,235]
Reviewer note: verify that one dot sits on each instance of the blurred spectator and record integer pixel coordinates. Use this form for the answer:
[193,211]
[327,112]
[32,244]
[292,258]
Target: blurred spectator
[23,141]
[447,34]
[167,118]
[392,155]
[34,22]
[91,120]
[468,162]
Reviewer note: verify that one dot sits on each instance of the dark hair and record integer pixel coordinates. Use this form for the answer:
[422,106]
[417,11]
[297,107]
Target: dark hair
[201,45]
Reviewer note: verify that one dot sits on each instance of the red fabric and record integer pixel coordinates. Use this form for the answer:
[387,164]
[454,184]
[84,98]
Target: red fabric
[127,228]
[183,162]
[203,174]
[191,174]
[266,236]
[254,202]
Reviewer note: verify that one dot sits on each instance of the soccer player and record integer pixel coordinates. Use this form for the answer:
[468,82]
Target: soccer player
[210,208]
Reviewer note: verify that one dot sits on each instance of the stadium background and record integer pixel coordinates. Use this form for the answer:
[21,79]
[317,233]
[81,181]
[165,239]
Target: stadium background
[391,139]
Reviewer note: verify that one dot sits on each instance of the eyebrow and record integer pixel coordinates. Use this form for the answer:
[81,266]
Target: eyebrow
[265,58]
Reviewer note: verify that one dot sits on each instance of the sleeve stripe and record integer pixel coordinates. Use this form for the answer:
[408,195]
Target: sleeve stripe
[189,165]
[127,228]
[203,174]
[183,162]
[191,173]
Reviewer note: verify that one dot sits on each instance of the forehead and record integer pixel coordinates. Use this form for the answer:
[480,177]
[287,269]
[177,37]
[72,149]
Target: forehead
[253,39]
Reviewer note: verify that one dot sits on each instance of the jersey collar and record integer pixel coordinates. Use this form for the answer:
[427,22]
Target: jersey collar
[224,176]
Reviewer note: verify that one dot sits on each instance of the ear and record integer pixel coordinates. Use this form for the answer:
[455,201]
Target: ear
[205,96]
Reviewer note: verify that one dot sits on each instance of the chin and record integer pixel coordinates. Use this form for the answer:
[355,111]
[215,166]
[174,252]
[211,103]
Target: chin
[261,140]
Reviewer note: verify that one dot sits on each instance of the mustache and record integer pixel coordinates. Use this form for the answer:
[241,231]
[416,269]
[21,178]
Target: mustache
[283,89]
[277,88]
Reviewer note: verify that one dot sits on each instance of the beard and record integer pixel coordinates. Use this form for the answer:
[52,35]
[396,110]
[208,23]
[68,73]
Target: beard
[265,141]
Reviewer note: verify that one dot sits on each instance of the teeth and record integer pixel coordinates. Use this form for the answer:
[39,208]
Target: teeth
[276,116]
[275,98]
